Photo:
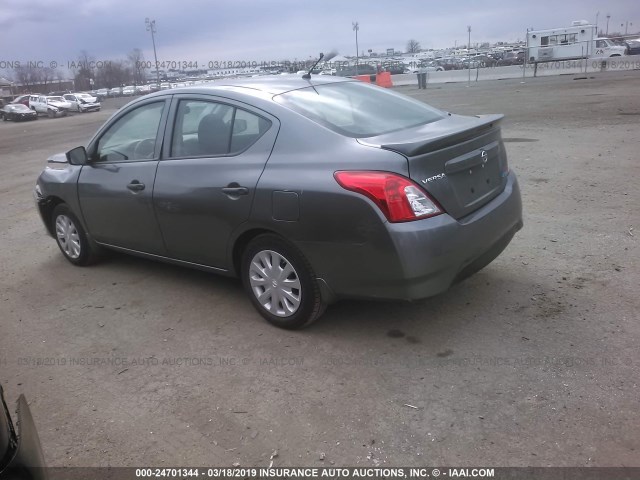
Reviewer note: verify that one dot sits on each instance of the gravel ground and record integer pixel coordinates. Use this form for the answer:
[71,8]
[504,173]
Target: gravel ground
[532,361]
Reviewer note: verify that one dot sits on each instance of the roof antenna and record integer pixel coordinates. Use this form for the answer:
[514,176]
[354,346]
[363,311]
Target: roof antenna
[307,76]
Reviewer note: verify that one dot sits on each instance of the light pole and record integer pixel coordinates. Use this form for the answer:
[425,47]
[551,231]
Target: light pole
[608,17]
[469,55]
[597,15]
[151,27]
[356,27]
[626,26]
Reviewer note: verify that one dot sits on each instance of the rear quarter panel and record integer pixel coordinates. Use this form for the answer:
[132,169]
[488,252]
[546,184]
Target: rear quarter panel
[335,228]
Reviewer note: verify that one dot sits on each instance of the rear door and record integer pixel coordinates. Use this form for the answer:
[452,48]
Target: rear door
[115,189]
[206,182]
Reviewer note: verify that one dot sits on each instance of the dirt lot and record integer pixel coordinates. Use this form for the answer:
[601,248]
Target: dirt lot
[533,361]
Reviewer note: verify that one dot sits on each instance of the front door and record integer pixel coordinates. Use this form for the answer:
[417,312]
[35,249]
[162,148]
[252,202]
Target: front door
[116,187]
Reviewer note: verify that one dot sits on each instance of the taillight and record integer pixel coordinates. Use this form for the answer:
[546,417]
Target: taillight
[399,198]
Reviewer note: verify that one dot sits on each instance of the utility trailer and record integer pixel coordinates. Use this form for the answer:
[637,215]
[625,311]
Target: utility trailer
[569,43]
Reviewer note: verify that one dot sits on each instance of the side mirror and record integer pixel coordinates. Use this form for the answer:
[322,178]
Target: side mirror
[77,156]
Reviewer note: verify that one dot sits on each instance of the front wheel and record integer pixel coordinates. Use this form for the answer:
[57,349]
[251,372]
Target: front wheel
[71,237]
[280,283]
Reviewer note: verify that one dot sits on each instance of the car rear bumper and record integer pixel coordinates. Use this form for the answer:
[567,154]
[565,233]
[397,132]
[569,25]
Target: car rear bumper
[424,258]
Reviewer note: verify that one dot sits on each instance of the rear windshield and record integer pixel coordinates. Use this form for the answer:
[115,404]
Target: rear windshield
[355,109]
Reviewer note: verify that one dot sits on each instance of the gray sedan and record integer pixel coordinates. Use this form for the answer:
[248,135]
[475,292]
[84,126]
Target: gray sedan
[309,190]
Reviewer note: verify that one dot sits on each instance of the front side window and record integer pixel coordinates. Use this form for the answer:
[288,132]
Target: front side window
[132,136]
[207,129]
[355,109]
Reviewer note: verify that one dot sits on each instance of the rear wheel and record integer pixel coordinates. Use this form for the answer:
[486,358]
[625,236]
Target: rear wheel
[280,283]
[71,237]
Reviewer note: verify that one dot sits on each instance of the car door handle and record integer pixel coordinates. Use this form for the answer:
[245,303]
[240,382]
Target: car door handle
[136,186]
[235,191]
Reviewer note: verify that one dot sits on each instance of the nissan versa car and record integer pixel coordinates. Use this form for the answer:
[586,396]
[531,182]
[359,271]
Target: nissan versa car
[309,190]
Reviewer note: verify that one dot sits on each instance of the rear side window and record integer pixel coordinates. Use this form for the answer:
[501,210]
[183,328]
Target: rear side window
[208,129]
[355,109]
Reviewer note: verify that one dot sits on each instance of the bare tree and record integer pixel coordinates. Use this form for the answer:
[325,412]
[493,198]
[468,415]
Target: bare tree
[136,59]
[59,77]
[84,71]
[27,76]
[114,74]
[413,46]
[47,75]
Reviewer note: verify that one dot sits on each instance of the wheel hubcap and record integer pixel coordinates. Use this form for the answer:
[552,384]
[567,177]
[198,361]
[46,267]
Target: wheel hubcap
[275,283]
[68,237]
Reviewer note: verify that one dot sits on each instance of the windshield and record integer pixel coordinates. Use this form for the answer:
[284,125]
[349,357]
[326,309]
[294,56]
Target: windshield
[355,109]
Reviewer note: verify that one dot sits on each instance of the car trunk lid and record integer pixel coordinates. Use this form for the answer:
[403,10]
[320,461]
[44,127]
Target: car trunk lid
[460,161]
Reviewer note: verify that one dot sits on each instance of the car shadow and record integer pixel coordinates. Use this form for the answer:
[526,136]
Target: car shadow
[480,299]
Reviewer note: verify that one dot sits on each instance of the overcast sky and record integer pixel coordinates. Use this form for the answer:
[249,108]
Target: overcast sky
[264,30]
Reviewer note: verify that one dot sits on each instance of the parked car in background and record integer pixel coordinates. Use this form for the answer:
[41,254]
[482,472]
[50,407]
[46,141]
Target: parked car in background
[102,93]
[309,190]
[82,102]
[486,60]
[115,92]
[450,63]
[427,66]
[128,91]
[23,99]
[472,62]
[394,68]
[362,69]
[633,46]
[511,58]
[17,112]
[53,106]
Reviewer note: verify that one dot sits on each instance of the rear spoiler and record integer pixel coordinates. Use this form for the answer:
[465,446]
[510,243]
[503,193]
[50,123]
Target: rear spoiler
[452,130]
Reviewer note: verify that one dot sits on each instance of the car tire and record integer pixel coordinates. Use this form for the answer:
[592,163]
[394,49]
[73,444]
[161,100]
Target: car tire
[298,303]
[51,114]
[72,238]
